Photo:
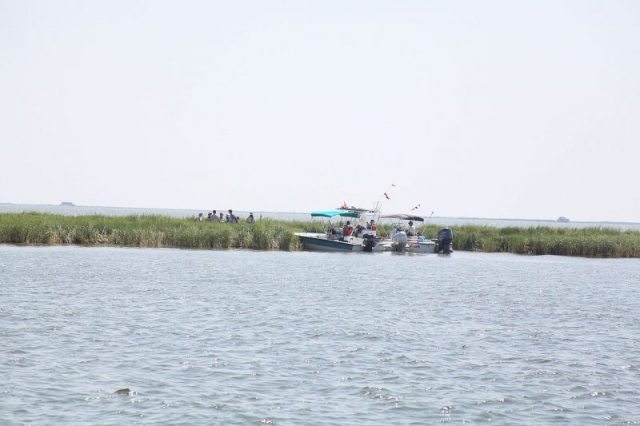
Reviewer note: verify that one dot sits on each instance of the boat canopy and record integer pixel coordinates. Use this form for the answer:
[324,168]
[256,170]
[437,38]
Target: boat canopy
[332,213]
[356,209]
[403,217]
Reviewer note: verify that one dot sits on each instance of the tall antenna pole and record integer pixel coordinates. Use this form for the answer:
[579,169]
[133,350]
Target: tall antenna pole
[428,219]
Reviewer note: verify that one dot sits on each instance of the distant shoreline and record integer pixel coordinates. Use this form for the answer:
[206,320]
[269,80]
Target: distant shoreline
[77,210]
[269,234]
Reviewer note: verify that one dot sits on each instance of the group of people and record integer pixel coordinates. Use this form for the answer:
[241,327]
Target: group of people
[409,230]
[371,227]
[348,229]
[213,216]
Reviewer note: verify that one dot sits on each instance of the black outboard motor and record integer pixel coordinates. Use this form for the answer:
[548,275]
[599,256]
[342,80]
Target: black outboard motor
[444,243]
[369,241]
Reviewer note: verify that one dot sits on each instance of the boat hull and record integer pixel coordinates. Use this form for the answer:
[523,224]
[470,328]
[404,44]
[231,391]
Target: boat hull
[422,247]
[409,247]
[321,243]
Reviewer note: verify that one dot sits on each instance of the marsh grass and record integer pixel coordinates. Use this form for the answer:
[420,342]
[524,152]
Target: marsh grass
[266,234]
[586,242]
[144,231]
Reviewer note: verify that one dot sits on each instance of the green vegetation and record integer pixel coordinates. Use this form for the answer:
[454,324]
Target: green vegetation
[161,231]
[586,242]
[145,231]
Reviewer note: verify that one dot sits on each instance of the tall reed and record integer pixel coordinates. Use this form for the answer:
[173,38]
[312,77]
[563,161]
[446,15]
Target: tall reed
[585,242]
[162,231]
[144,231]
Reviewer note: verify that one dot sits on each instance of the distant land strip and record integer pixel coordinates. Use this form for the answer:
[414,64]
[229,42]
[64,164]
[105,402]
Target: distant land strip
[268,234]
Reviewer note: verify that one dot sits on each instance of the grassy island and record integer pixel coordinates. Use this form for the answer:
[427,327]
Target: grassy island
[161,231]
[585,242]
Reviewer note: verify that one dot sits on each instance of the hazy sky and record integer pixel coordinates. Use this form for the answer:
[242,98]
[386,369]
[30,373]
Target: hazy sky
[512,109]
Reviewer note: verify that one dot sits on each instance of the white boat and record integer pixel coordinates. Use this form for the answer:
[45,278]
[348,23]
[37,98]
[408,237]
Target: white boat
[334,240]
[402,242]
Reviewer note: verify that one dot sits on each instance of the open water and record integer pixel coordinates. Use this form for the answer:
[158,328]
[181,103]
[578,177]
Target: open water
[243,337]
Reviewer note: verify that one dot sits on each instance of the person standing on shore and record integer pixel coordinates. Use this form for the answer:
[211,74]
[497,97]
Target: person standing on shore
[250,219]
[214,217]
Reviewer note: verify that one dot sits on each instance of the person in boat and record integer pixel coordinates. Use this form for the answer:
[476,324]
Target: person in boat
[372,226]
[347,231]
[250,219]
[411,230]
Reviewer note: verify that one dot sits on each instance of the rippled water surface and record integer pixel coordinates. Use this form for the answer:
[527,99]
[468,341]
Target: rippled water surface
[242,337]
